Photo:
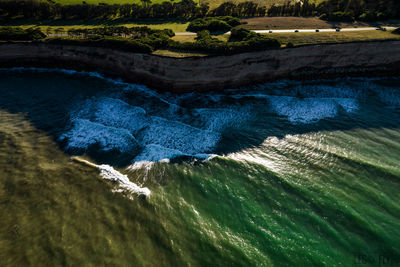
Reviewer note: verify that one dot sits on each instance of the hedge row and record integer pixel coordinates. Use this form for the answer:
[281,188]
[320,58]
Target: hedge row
[213,24]
[19,34]
[105,42]
[137,39]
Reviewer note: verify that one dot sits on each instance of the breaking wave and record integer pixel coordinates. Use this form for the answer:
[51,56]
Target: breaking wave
[134,124]
[109,173]
[309,110]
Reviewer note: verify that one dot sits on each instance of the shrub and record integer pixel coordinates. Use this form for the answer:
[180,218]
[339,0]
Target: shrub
[240,34]
[138,39]
[396,31]
[241,40]
[338,16]
[156,40]
[231,20]
[106,42]
[372,16]
[324,16]
[19,34]
[289,45]
[213,24]
[258,41]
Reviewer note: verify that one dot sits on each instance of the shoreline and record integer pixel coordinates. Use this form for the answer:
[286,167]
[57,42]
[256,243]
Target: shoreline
[213,73]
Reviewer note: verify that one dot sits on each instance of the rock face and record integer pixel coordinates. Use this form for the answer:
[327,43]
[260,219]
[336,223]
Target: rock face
[211,73]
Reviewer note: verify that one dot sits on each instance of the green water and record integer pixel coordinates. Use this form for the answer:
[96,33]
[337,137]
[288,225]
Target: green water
[303,174]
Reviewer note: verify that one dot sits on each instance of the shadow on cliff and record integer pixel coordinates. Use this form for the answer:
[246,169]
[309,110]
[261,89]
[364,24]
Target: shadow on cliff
[46,100]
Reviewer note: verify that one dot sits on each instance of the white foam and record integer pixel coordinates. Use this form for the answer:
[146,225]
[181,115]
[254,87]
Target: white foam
[114,113]
[109,173]
[217,119]
[85,133]
[389,96]
[179,136]
[308,110]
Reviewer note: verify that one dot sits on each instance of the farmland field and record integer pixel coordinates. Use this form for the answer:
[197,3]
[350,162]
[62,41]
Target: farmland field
[266,23]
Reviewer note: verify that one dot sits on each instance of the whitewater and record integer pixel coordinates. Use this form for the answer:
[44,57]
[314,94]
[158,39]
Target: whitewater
[287,173]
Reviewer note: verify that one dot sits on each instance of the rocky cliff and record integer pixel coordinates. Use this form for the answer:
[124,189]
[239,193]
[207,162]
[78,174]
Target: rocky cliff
[212,73]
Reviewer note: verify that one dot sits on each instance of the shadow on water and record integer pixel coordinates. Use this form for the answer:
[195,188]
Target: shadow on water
[47,98]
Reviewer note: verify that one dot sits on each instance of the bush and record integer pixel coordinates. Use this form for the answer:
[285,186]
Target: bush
[156,40]
[106,42]
[138,39]
[338,16]
[289,45]
[324,16]
[213,24]
[258,41]
[241,40]
[231,20]
[372,16]
[19,34]
[367,16]
[397,31]
[218,26]
[134,32]
[240,34]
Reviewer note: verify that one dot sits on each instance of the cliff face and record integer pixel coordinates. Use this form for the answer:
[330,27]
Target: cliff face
[211,73]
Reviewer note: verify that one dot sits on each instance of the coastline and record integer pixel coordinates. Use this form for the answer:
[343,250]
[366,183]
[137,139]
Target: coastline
[213,73]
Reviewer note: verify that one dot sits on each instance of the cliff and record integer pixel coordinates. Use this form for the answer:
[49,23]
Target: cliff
[212,73]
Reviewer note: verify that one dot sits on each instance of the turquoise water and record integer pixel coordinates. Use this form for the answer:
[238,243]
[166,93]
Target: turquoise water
[282,174]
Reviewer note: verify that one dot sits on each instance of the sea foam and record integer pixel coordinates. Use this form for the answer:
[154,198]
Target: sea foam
[85,134]
[109,173]
[309,110]
[113,113]
[178,136]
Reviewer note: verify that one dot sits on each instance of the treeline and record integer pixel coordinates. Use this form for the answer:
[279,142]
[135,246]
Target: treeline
[134,39]
[240,40]
[213,24]
[20,34]
[145,40]
[41,10]
[340,10]
[364,10]
[127,32]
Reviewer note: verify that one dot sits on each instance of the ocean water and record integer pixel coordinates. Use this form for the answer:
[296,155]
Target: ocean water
[98,172]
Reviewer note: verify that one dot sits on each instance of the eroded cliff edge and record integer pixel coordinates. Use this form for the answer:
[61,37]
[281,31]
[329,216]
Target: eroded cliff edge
[211,73]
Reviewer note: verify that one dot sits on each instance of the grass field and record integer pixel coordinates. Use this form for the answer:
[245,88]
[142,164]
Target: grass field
[176,53]
[333,37]
[266,23]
